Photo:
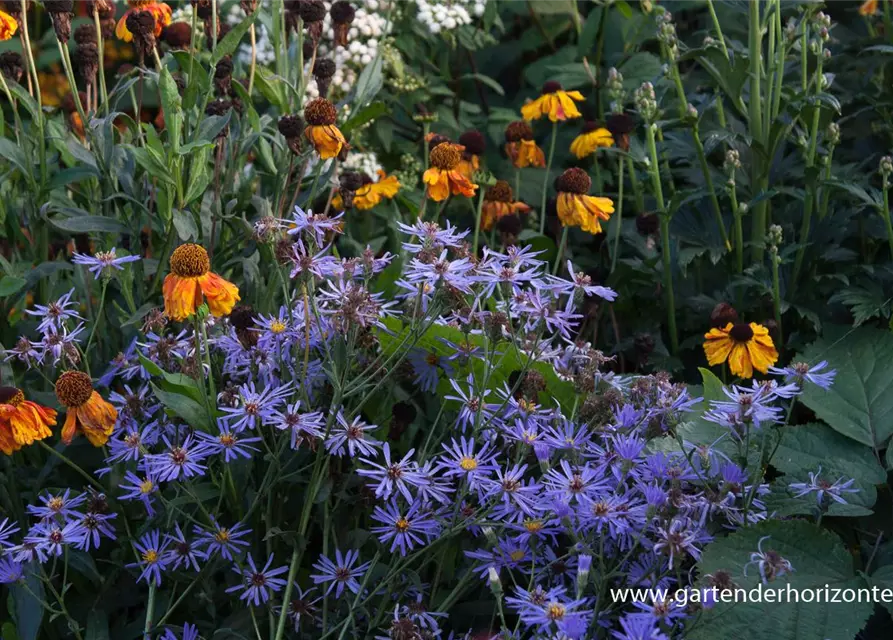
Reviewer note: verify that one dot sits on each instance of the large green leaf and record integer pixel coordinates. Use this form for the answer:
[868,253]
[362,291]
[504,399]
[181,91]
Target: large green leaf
[818,559]
[810,446]
[193,413]
[27,609]
[859,404]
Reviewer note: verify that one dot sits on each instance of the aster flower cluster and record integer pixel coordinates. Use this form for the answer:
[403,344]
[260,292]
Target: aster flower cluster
[551,477]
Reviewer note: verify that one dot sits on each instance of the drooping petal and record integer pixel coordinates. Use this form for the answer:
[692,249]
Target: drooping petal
[222,295]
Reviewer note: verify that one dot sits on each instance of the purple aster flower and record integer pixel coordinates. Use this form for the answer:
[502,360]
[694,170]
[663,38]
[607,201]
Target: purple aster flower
[432,488]
[770,563]
[139,488]
[24,351]
[619,514]
[554,610]
[182,460]
[190,632]
[181,551]
[405,530]
[431,235]
[350,436]
[391,477]
[823,488]
[501,274]
[95,526]
[11,571]
[507,553]
[317,265]
[227,541]
[800,371]
[312,226]
[744,406]
[59,340]
[570,484]
[55,313]
[462,461]
[638,626]
[258,585]
[301,426]
[472,407]
[567,435]
[277,332]
[453,273]
[50,538]
[341,573]
[515,498]
[681,537]
[101,263]
[61,508]
[302,607]
[7,530]
[153,557]
[229,443]
[426,365]
[255,408]
[134,404]
[130,443]
[582,283]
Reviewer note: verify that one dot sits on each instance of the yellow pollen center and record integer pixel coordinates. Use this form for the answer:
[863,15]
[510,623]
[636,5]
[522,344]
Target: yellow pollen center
[150,556]
[277,327]
[556,611]
[468,464]
[533,526]
[402,525]
[222,535]
[517,556]
[146,486]
[190,261]
[56,504]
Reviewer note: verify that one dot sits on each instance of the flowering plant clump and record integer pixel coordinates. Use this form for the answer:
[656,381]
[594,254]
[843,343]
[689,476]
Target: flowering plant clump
[423,320]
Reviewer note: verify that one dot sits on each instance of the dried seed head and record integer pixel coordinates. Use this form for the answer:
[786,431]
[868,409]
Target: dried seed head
[723,314]
[320,112]
[499,192]
[591,125]
[12,65]
[85,33]
[74,388]
[323,68]
[647,224]
[312,11]
[445,156]
[574,180]
[291,126]
[517,131]
[620,124]
[352,180]
[190,261]
[60,12]
[86,59]
[177,35]
[342,12]
[551,87]
[473,141]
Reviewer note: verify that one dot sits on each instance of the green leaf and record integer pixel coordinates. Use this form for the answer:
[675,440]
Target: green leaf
[369,83]
[10,285]
[859,403]
[818,558]
[487,80]
[11,152]
[172,107]
[184,222]
[199,178]
[26,609]
[185,407]
[806,448]
[152,163]
[173,382]
[87,224]
[364,115]
[231,40]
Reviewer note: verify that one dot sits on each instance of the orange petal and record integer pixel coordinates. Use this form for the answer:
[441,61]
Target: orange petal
[222,294]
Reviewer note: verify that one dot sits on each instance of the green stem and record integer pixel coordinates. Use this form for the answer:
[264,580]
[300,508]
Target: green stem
[98,316]
[150,610]
[619,221]
[561,247]
[477,220]
[101,72]
[755,118]
[717,28]
[665,239]
[637,187]
[708,180]
[776,294]
[739,228]
[65,459]
[886,216]
[546,178]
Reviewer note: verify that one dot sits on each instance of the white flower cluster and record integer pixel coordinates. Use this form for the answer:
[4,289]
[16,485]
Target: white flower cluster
[445,15]
[362,162]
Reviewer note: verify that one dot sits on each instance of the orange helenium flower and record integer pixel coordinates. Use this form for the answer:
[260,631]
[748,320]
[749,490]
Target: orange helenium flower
[499,202]
[191,278]
[444,177]
[321,131]
[8,26]
[591,138]
[745,346]
[868,8]
[520,146]
[576,208]
[86,411]
[555,102]
[160,11]
[21,421]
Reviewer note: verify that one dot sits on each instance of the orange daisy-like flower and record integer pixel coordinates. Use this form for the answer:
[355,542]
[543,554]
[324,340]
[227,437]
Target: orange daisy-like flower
[371,193]
[321,131]
[499,202]
[160,11]
[87,412]
[8,26]
[444,177]
[190,279]
[576,208]
[555,102]
[868,8]
[520,146]
[745,346]
[21,421]
[474,143]
[592,137]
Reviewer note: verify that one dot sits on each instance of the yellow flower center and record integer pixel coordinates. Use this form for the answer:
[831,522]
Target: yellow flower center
[277,327]
[517,556]
[74,388]
[468,464]
[222,535]
[190,261]
[150,556]
[402,525]
[556,611]
[146,486]
[533,526]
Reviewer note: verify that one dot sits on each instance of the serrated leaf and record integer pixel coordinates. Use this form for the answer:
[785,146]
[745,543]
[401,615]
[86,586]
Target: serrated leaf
[818,558]
[859,404]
